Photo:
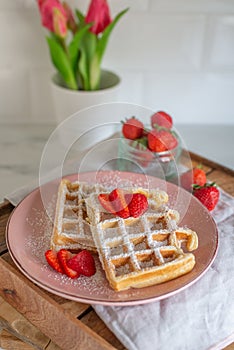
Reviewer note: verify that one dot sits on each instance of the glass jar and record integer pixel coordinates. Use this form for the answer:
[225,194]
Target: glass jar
[163,165]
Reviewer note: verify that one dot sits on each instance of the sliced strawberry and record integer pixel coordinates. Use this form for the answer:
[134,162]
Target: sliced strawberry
[118,201]
[161,140]
[132,128]
[52,259]
[208,195]
[128,198]
[106,203]
[161,119]
[63,257]
[83,263]
[138,205]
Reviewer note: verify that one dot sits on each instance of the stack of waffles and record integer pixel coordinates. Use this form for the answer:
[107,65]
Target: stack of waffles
[134,252]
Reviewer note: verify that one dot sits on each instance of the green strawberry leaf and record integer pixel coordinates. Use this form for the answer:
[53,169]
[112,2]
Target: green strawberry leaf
[61,61]
[208,184]
[140,143]
[102,42]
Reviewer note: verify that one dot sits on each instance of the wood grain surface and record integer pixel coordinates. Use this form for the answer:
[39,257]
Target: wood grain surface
[31,318]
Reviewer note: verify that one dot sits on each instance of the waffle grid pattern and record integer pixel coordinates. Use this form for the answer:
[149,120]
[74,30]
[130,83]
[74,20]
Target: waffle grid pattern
[125,254]
[72,228]
[134,252]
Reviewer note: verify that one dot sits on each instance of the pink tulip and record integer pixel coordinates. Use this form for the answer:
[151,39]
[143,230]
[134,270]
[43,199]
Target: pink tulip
[46,8]
[59,23]
[40,3]
[99,14]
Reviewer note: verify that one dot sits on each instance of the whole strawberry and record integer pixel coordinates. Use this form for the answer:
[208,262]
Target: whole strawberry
[195,176]
[208,195]
[161,119]
[161,140]
[132,128]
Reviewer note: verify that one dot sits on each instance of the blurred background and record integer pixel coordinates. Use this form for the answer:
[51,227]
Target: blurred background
[176,55]
[172,55]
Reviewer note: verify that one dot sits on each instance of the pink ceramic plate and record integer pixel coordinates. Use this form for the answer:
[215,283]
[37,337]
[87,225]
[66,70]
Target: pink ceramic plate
[29,229]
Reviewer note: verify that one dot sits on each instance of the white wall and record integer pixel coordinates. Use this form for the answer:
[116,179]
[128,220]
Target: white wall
[176,55]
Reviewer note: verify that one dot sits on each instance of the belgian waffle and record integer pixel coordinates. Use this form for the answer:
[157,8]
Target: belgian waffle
[144,251]
[71,226]
[134,252]
[96,213]
[78,206]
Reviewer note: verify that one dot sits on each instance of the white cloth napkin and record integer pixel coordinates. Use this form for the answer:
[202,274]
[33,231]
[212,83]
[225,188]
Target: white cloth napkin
[200,317]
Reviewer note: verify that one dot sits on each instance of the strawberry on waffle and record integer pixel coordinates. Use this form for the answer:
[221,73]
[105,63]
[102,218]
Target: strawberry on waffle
[135,234]
[78,208]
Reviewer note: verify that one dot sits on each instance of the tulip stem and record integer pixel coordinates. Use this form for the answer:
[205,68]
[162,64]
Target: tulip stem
[64,46]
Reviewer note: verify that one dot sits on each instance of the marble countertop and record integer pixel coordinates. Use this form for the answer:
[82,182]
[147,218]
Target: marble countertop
[21,147]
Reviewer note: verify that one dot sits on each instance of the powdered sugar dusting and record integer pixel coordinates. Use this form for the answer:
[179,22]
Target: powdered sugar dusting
[41,228]
[95,285]
[116,179]
[38,242]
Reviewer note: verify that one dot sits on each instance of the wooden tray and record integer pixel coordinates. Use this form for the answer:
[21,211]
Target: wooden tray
[31,318]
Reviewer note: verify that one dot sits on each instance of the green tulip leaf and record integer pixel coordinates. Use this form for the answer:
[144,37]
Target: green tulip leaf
[94,73]
[83,71]
[74,47]
[102,42]
[62,63]
[87,49]
[89,44]
[80,16]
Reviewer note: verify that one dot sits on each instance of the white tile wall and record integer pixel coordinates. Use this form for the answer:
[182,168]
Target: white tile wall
[176,55]
[220,54]
[17,4]
[180,49]
[14,95]
[42,110]
[188,6]
[115,6]
[23,44]
[192,98]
